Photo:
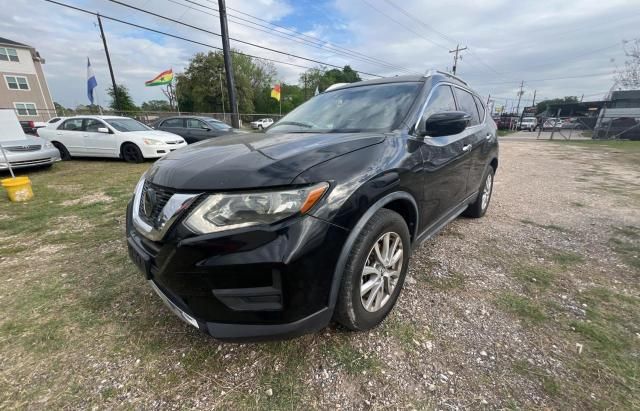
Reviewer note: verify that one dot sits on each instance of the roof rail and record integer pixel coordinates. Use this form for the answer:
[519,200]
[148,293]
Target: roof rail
[431,72]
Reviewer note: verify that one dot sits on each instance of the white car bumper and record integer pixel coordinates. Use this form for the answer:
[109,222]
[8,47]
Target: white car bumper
[160,150]
[42,157]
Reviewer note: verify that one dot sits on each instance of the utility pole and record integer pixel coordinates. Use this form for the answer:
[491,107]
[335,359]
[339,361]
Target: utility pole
[519,97]
[106,51]
[581,98]
[455,57]
[224,115]
[228,67]
[534,98]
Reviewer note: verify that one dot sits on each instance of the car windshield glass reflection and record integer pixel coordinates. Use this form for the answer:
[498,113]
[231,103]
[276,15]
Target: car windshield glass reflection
[127,125]
[379,107]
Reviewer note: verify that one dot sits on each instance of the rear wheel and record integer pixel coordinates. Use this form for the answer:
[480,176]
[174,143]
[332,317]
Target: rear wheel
[64,153]
[479,207]
[131,153]
[375,271]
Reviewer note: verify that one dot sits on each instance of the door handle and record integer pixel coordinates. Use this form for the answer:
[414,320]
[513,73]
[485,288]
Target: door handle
[466,148]
[489,136]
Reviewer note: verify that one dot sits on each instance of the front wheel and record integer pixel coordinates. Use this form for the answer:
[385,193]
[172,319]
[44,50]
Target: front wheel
[131,153]
[479,207]
[375,271]
[64,153]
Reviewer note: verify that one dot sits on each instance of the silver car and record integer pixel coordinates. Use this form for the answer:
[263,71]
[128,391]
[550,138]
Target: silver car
[28,152]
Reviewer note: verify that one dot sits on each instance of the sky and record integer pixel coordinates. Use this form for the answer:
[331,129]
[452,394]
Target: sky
[557,48]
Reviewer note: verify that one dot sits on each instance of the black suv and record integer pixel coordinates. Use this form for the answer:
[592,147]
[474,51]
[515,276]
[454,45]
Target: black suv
[276,234]
[194,128]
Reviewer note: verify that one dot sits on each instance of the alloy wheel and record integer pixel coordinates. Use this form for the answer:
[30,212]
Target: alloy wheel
[381,271]
[486,191]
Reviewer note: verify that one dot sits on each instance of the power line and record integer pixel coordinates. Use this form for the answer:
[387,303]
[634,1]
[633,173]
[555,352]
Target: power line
[230,38]
[139,26]
[318,43]
[550,79]
[287,36]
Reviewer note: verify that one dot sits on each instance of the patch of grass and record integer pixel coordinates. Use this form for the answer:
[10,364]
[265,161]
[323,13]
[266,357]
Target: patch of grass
[351,359]
[566,258]
[502,133]
[535,276]
[626,151]
[578,204]
[553,227]
[446,282]
[407,333]
[521,306]
[628,231]
[629,250]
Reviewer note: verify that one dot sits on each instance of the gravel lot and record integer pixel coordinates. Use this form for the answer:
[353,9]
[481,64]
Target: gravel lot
[537,305]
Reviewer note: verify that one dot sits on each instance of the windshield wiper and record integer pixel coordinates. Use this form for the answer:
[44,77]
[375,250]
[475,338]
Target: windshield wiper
[294,123]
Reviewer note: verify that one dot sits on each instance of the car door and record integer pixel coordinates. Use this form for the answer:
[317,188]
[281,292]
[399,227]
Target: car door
[69,133]
[198,130]
[175,126]
[96,143]
[482,142]
[446,162]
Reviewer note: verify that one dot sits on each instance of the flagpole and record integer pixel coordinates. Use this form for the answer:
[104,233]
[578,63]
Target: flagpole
[280,100]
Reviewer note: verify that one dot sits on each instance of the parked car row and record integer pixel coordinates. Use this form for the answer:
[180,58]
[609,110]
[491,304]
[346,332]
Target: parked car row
[21,149]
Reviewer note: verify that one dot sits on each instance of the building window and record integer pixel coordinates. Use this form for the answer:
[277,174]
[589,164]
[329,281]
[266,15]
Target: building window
[7,54]
[26,109]
[17,83]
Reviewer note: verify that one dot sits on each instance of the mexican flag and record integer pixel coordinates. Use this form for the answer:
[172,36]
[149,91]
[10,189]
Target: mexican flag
[166,77]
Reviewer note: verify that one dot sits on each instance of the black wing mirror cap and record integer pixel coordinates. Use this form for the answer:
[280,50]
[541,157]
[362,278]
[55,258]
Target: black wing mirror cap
[446,123]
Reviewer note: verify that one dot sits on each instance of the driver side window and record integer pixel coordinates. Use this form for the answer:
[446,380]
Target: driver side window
[441,100]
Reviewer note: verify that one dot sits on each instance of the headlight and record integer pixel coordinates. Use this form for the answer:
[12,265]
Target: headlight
[221,212]
[152,142]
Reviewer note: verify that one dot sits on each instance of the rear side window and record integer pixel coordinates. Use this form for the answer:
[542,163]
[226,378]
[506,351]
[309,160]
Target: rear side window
[173,122]
[194,123]
[468,105]
[74,124]
[481,108]
[92,125]
[441,100]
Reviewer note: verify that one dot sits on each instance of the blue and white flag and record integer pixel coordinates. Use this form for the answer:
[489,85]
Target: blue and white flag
[91,81]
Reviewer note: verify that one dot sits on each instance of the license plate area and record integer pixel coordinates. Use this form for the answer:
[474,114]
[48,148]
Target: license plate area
[140,259]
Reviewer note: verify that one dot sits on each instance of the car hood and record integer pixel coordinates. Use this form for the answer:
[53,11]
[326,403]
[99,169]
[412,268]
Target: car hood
[156,134]
[251,160]
[27,141]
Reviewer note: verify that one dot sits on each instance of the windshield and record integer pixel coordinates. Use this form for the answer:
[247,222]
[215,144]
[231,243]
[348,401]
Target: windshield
[379,107]
[218,125]
[126,125]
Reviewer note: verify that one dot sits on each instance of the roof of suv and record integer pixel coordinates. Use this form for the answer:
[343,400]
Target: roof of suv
[438,75]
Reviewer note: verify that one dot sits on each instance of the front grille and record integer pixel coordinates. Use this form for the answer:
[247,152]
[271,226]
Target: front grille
[162,196]
[23,148]
[30,162]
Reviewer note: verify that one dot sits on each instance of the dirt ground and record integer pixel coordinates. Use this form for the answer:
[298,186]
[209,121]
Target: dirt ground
[537,305]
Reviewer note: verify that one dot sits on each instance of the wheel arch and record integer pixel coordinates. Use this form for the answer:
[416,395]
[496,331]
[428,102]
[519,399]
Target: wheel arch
[401,202]
[124,143]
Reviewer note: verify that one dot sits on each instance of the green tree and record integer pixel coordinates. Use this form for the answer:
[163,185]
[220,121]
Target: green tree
[542,106]
[203,86]
[61,110]
[322,78]
[123,102]
[156,105]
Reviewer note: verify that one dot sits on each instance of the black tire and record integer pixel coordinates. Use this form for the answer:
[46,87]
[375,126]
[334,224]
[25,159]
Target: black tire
[64,153]
[260,127]
[350,310]
[131,153]
[477,209]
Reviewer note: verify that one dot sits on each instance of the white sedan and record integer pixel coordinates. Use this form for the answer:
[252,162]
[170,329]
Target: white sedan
[110,136]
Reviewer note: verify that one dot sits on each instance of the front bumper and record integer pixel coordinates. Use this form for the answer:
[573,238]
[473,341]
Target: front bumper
[161,150]
[42,157]
[252,283]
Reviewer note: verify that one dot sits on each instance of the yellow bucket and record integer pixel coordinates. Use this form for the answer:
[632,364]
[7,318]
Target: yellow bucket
[18,188]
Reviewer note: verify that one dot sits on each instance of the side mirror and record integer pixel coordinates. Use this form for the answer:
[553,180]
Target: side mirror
[446,123]
[103,130]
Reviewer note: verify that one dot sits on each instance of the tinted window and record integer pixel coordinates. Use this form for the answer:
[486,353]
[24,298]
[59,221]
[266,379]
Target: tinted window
[467,104]
[379,107]
[53,120]
[173,122]
[72,125]
[91,125]
[481,108]
[441,100]
[217,125]
[194,123]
